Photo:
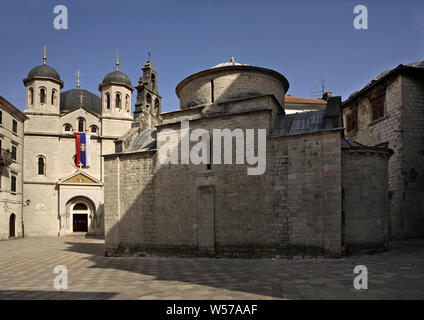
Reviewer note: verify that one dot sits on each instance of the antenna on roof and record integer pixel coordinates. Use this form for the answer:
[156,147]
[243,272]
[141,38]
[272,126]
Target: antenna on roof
[318,94]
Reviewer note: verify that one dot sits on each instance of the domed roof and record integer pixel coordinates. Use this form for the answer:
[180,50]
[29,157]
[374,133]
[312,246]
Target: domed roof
[44,71]
[76,98]
[117,76]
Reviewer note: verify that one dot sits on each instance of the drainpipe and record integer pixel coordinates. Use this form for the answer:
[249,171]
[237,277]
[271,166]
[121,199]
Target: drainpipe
[22,164]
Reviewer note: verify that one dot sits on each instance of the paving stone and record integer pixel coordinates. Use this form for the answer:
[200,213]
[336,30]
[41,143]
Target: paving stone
[26,272]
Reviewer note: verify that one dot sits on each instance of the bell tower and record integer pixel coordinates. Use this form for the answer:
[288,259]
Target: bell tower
[116,90]
[43,86]
[148,105]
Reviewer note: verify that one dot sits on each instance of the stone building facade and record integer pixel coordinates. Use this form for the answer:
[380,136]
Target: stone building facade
[389,111]
[304,202]
[63,198]
[11,169]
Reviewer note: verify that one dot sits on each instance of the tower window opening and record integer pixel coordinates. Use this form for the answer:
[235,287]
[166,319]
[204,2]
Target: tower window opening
[107,100]
[53,97]
[127,103]
[153,78]
[31,96]
[118,101]
[42,95]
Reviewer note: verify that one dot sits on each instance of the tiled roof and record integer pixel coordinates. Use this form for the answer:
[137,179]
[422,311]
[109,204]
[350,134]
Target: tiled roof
[299,99]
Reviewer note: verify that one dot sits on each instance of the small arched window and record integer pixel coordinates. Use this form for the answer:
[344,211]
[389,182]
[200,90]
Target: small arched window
[118,100]
[156,103]
[127,103]
[68,127]
[42,95]
[93,129]
[54,97]
[107,100]
[31,96]
[153,77]
[80,206]
[41,166]
[81,125]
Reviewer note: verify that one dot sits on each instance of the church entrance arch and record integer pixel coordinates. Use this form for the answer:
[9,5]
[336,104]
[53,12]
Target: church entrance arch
[81,214]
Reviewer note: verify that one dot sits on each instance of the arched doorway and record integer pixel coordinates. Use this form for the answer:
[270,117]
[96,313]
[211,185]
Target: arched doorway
[12,222]
[80,215]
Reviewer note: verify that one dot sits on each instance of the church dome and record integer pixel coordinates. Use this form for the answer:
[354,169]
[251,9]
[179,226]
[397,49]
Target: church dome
[76,98]
[230,81]
[44,71]
[117,77]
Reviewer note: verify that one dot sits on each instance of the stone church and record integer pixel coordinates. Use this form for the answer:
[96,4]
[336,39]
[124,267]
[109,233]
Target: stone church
[61,197]
[313,198]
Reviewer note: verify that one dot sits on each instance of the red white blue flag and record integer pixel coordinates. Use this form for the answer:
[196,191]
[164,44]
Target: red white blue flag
[83,149]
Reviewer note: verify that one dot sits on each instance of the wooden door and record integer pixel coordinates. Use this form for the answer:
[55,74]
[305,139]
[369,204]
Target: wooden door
[80,223]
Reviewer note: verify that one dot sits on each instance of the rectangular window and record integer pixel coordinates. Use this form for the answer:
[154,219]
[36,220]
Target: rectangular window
[377,108]
[352,121]
[13,183]
[209,165]
[14,126]
[1,117]
[14,150]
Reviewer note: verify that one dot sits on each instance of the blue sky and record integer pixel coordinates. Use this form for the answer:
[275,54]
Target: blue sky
[304,40]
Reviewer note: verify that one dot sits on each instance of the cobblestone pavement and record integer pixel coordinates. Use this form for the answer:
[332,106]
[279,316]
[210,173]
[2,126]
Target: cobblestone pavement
[26,272]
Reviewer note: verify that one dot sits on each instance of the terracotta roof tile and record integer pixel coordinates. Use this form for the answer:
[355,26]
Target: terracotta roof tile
[299,99]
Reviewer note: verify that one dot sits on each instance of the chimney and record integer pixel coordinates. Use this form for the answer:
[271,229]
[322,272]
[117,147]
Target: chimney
[326,95]
[333,113]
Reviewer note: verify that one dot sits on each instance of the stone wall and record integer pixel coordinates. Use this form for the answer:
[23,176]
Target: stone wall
[385,130]
[294,208]
[413,166]
[402,128]
[365,199]
[306,170]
